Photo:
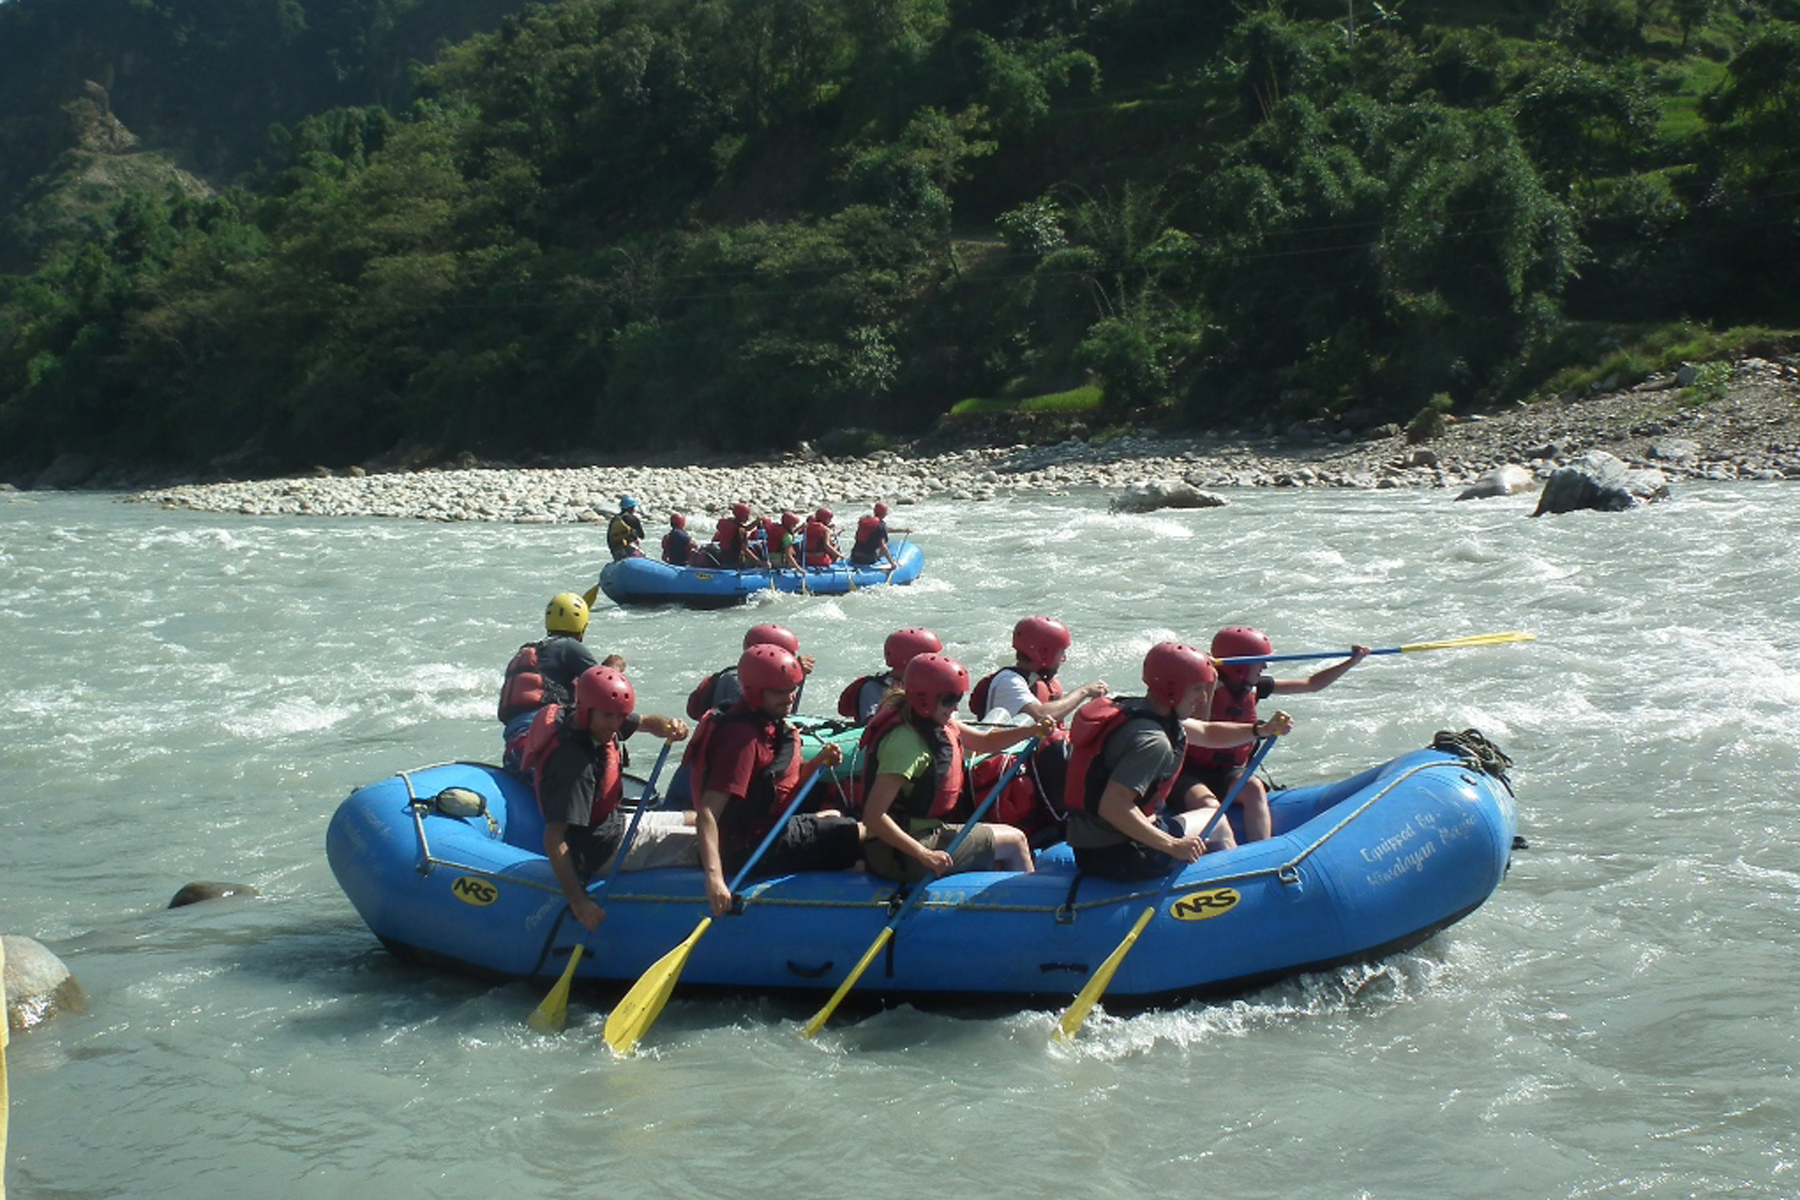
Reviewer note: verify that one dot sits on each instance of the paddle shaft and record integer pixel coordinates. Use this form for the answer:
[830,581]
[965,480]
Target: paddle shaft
[645,800]
[1480,639]
[638,1009]
[912,898]
[968,826]
[1070,1021]
[1237,786]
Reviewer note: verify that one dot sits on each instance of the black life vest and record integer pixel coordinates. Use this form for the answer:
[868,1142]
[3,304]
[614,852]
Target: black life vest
[942,780]
[1094,725]
[550,730]
[677,547]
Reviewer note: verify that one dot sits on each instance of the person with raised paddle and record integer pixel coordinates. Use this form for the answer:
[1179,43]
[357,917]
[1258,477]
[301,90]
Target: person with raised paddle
[745,764]
[913,780]
[1126,755]
[574,757]
[1215,757]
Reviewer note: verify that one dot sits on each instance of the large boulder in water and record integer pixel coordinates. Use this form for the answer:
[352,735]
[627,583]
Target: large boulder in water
[1149,495]
[1506,480]
[1599,480]
[38,985]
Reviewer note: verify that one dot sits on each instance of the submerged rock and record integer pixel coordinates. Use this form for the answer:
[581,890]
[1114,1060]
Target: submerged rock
[38,986]
[1600,481]
[194,893]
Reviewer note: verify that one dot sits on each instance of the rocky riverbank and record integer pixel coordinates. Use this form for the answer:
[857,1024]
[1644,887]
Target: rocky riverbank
[1749,430]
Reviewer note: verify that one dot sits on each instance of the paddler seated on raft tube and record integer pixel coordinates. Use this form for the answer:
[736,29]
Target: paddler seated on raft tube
[625,532]
[819,546]
[863,696]
[783,540]
[678,543]
[1125,755]
[870,542]
[1213,766]
[1030,691]
[737,539]
[576,764]
[912,778]
[722,689]
[544,672]
[745,765]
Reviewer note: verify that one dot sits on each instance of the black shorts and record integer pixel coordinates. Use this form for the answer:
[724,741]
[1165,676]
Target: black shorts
[809,843]
[1129,861]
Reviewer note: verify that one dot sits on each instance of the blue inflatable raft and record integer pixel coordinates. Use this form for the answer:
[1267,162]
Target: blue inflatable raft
[1357,869]
[649,581]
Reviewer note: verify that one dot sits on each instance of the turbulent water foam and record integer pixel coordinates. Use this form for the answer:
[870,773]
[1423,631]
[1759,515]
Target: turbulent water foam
[193,694]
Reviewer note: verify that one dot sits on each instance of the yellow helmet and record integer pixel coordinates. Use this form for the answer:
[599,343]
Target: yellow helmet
[566,613]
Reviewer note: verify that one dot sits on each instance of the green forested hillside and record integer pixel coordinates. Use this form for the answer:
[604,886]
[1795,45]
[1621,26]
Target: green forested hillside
[261,234]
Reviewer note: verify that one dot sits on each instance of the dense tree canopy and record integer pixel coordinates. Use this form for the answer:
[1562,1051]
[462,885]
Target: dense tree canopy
[262,234]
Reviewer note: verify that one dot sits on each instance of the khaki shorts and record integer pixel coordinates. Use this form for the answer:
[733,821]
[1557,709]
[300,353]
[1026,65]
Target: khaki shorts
[663,839]
[975,854]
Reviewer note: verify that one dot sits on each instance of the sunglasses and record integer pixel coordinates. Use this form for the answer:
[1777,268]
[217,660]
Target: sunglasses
[950,699]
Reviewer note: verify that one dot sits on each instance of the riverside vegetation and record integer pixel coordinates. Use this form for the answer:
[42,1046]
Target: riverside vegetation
[262,236]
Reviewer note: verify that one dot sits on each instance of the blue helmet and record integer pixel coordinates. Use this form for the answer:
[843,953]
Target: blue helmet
[626,503]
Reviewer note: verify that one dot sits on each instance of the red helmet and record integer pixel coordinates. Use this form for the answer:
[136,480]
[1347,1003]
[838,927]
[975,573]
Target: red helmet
[1239,641]
[741,511]
[1040,641]
[772,635]
[604,690]
[765,667]
[1171,668]
[931,676]
[823,516]
[789,519]
[677,521]
[904,645]
[881,510]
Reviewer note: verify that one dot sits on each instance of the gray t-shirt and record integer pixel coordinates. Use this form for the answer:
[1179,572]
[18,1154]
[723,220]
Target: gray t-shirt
[1140,756]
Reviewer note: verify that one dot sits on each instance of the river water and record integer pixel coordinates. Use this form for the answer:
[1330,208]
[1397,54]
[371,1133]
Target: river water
[193,694]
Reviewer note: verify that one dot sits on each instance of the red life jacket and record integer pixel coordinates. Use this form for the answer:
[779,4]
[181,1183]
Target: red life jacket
[1045,690]
[869,536]
[1094,725]
[771,788]
[942,780]
[705,696]
[1227,705]
[522,690]
[547,732]
[819,552]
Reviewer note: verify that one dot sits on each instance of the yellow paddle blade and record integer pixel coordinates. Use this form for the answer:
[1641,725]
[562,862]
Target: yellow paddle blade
[592,594]
[1479,639]
[1077,1012]
[553,1013]
[632,1017]
[819,1018]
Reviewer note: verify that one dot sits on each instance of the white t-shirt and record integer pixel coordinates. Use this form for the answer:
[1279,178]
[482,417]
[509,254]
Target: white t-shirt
[1007,696]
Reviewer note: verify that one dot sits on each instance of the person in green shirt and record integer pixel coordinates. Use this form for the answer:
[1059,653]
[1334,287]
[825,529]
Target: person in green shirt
[914,782]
